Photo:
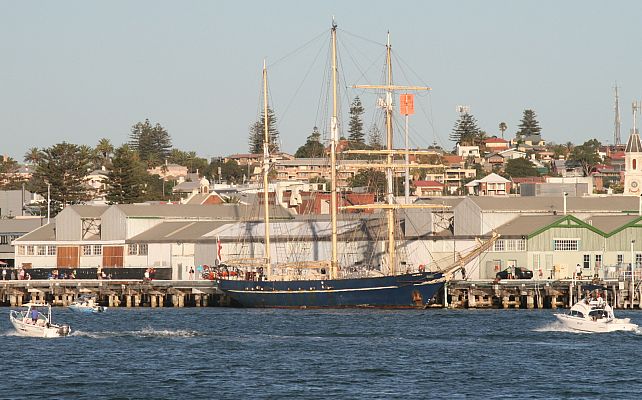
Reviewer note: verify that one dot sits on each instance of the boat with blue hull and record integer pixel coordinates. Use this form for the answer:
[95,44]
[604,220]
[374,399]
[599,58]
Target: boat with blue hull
[381,281]
[400,291]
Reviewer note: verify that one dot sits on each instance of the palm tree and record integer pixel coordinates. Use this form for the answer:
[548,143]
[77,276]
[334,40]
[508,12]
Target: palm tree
[32,155]
[105,148]
[502,128]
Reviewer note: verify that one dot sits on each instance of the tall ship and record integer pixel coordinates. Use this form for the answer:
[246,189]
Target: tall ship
[326,284]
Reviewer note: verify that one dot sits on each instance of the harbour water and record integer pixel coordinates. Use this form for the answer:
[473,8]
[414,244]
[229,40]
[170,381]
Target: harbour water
[228,353]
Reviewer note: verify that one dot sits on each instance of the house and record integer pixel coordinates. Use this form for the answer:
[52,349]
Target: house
[495,144]
[491,185]
[10,230]
[494,161]
[467,151]
[428,188]
[170,172]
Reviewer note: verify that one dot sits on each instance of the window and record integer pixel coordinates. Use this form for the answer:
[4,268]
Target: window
[86,250]
[30,250]
[566,244]
[620,259]
[42,250]
[499,245]
[521,245]
[142,249]
[598,261]
[638,260]
[51,250]
[635,163]
[4,239]
[132,249]
[98,250]
[587,261]
[21,250]
[510,245]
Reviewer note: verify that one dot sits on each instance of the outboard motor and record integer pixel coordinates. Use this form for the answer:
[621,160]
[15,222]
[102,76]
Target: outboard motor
[64,330]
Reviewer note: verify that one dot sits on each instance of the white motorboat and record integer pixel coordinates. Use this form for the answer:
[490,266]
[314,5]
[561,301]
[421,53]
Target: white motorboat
[36,321]
[594,315]
[87,304]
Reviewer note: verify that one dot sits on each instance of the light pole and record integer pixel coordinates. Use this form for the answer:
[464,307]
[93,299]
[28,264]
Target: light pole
[632,273]
[48,202]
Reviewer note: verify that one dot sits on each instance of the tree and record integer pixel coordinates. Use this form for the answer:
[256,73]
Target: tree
[529,126]
[257,133]
[355,126]
[465,130]
[64,167]
[104,148]
[9,179]
[520,167]
[372,179]
[32,155]
[374,138]
[229,172]
[125,180]
[152,143]
[586,155]
[312,147]
[502,128]
[189,160]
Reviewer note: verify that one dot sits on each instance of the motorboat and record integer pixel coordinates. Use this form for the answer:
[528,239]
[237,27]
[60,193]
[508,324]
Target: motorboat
[594,315]
[35,321]
[86,304]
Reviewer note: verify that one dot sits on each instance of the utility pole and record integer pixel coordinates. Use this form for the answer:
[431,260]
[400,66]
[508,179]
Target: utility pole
[616,130]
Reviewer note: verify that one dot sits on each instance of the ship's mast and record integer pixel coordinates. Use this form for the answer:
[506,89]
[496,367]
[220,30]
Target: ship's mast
[334,128]
[266,170]
[390,214]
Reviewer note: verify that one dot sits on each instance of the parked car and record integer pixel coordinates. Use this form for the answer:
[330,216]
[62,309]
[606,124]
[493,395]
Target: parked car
[515,273]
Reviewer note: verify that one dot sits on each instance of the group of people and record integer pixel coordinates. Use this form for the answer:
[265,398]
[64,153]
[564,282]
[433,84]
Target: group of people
[55,274]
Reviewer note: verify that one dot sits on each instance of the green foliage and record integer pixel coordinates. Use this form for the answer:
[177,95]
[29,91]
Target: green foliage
[32,156]
[126,179]
[313,148]
[104,150]
[529,125]
[64,166]
[8,178]
[520,167]
[374,139]
[502,128]
[229,172]
[465,130]
[372,179]
[189,160]
[587,155]
[355,126]
[152,143]
[257,133]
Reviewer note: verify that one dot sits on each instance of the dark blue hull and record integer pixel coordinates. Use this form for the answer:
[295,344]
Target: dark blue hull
[400,291]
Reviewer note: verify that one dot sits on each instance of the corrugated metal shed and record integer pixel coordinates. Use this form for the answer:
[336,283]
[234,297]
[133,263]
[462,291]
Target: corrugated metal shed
[41,234]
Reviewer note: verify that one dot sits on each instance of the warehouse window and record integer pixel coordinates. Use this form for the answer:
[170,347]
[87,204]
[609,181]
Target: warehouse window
[566,244]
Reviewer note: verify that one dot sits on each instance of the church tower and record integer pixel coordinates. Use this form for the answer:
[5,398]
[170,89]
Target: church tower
[633,163]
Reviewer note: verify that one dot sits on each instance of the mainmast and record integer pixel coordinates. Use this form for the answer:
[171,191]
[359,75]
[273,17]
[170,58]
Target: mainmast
[266,170]
[390,214]
[334,128]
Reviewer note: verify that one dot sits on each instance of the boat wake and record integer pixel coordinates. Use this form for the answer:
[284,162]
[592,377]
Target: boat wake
[555,327]
[143,333]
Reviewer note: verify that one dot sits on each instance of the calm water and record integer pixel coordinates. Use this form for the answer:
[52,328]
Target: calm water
[235,354]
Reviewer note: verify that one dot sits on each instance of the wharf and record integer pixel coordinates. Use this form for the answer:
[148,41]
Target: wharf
[532,293]
[113,293]
[503,294]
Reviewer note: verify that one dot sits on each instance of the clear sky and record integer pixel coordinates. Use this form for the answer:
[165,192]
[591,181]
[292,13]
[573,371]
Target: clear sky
[78,71]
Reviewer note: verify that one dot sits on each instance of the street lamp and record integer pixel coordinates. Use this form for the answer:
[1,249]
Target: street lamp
[632,273]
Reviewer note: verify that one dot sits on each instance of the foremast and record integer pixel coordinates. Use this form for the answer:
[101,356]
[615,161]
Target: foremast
[266,170]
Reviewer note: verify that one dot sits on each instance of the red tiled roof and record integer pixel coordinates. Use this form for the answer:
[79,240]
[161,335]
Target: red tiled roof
[495,140]
[428,184]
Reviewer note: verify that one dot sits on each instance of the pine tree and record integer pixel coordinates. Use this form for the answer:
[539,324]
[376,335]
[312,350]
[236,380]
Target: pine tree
[125,179]
[374,138]
[355,127]
[152,143]
[465,130]
[312,147]
[64,167]
[529,126]
[257,131]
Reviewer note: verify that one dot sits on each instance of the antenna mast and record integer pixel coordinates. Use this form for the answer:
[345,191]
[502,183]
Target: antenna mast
[266,170]
[334,134]
[616,132]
